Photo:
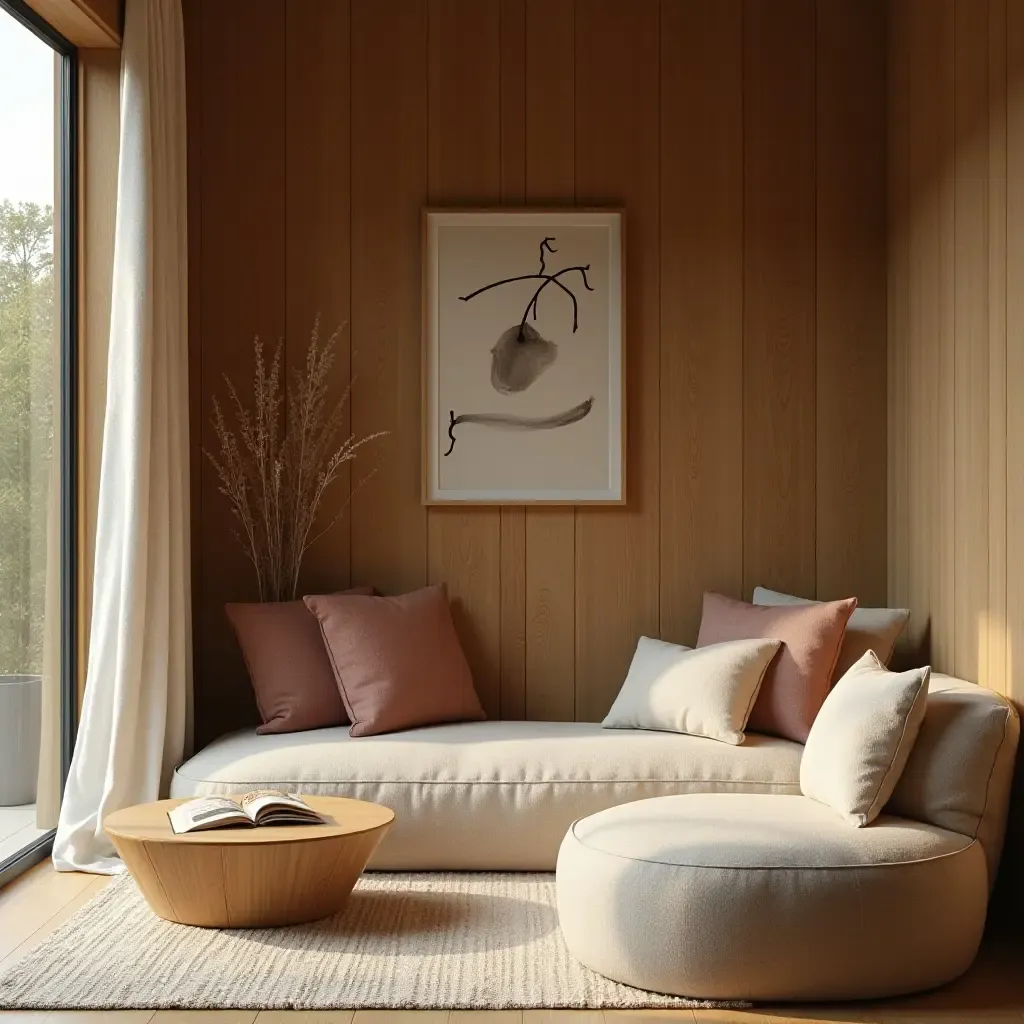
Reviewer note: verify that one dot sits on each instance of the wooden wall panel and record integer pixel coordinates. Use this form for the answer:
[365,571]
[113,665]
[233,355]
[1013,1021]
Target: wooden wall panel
[993,669]
[701,321]
[389,183]
[971,330]
[850,321]
[1014,349]
[956,245]
[318,131]
[779,385]
[617,162]
[242,294]
[318,229]
[464,149]
[512,569]
[898,309]
[550,532]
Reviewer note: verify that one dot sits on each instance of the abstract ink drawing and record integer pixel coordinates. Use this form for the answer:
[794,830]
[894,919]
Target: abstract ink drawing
[521,355]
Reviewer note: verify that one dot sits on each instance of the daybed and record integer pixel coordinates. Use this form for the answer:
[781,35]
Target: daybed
[501,795]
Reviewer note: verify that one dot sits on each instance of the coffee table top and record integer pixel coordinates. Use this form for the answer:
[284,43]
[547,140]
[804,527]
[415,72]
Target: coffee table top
[149,823]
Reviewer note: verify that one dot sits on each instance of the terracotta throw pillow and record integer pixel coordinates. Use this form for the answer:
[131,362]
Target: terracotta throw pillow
[798,680]
[290,671]
[869,629]
[397,660]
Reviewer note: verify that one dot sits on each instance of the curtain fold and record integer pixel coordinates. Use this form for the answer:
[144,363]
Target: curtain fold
[136,716]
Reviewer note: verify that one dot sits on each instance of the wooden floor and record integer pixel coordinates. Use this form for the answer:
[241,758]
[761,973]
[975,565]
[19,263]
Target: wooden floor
[34,905]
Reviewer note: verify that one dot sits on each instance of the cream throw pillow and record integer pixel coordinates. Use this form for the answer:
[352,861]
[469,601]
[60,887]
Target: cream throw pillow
[705,692]
[859,743]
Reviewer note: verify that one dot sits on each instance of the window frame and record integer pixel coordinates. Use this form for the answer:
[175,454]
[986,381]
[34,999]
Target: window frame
[67,200]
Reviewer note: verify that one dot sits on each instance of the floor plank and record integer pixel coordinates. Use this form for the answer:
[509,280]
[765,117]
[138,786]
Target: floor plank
[401,1017]
[31,900]
[304,1017]
[100,1017]
[95,886]
[204,1016]
[564,1017]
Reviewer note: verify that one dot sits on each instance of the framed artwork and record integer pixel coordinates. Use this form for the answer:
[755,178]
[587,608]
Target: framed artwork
[523,366]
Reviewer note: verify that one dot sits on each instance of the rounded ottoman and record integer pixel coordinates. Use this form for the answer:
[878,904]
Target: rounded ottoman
[737,896]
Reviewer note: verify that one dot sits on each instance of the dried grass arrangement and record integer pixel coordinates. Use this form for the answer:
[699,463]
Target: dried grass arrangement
[288,452]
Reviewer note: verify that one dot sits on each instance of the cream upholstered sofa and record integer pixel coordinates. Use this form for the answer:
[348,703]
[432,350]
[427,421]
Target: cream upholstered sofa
[502,795]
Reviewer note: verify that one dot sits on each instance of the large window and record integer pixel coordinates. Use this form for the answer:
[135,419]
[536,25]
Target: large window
[37,386]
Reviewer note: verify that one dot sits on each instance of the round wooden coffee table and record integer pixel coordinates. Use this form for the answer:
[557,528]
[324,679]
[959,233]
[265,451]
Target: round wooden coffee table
[249,877]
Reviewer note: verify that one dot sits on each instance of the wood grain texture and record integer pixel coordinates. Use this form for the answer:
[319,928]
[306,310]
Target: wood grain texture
[971,333]
[242,294]
[779,386]
[898,312]
[389,183]
[317,234]
[701,321]
[512,570]
[550,532]
[86,23]
[464,146]
[616,160]
[850,315]
[992,671]
[317,133]
[249,878]
[1013,684]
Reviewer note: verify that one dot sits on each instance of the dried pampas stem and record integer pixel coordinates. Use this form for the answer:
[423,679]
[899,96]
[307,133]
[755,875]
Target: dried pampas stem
[275,481]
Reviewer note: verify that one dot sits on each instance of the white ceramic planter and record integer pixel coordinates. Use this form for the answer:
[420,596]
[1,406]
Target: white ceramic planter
[20,711]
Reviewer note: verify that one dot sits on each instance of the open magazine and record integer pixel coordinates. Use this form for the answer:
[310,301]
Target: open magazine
[260,807]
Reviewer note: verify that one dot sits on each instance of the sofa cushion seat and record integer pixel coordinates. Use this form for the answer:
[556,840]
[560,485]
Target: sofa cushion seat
[740,896]
[494,796]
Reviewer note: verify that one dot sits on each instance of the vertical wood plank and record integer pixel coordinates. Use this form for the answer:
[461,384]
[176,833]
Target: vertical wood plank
[898,309]
[779,545]
[1014,346]
[617,162]
[242,294]
[464,147]
[550,532]
[192,16]
[925,59]
[944,584]
[318,230]
[513,519]
[701,319]
[850,287]
[388,187]
[971,333]
[994,667]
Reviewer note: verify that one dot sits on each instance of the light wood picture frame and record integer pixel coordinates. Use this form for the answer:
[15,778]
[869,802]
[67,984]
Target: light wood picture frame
[524,397]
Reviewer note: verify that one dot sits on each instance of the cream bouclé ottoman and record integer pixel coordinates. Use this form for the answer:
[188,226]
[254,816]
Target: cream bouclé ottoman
[772,897]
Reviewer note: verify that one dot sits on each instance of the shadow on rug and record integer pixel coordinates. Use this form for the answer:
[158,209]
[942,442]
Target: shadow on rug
[421,941]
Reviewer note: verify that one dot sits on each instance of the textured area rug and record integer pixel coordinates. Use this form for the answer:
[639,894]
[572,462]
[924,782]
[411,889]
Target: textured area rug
[424,941]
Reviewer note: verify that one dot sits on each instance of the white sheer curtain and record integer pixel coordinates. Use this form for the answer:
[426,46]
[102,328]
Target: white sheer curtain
[136,719]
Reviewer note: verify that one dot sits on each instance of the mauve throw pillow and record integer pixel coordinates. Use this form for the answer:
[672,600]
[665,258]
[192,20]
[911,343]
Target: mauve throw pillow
[397,660]
[798,680]
[290,671]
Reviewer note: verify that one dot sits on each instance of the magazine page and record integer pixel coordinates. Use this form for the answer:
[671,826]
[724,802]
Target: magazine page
[273,806]
[206,812]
